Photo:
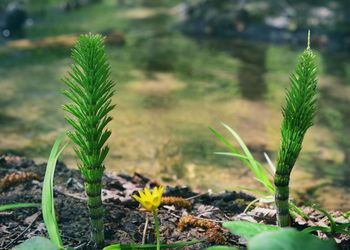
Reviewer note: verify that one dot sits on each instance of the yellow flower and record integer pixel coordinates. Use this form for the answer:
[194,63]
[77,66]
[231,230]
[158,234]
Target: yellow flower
[150,201]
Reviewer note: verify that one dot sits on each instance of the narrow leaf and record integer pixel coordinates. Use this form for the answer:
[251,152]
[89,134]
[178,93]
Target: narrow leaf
[48,206]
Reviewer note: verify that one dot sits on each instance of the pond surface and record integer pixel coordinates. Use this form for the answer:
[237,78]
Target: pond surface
[163,112]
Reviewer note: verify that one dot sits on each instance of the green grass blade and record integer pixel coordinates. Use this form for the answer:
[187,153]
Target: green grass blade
[243,157]
[342,226]
[295,209]
[150,246]
[224,140]
[240,156]
[264,199]
[257,168]
[267,170]
[329,217]
[269,162]
[47,202]
[253,190]
[18,205]
[254,167]
[317,228]
[250,204]
[234,149]
[267,199]
[222,248]
[341,231]
[267,185]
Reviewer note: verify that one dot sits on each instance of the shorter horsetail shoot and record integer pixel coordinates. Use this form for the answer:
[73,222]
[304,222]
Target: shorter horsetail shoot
[298,114]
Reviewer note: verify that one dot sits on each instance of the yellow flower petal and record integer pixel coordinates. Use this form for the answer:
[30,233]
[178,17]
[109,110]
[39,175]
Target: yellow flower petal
[142,195]
[137,198]
[148,193]
[156,201]
[150,200]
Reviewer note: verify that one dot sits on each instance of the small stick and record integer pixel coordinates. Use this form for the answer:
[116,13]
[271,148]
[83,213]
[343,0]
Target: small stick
[227,217]
[78,197]
[70,194]
[201,218]
[80,246]
[196,196]
[23,232]
[145,231]
[177,216]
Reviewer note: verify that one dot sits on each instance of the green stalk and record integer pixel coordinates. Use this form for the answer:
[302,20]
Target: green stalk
[94,202]
[298,114]
[90,90]
[17,205]
[281,200]
[156,224]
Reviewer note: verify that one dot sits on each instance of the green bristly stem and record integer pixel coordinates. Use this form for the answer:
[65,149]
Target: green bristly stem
[156,224]
[90,89]
[298,115]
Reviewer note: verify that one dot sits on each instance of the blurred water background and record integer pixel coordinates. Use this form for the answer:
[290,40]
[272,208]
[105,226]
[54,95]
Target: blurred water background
[180,67]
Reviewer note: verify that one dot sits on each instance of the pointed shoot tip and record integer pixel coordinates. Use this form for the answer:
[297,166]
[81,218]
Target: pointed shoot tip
[308,39]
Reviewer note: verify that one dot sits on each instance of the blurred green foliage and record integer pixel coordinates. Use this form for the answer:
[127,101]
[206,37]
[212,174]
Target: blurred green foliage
[209,74]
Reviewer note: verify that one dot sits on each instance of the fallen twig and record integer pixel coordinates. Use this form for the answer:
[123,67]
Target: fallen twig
[23,232]
[196,196]
[145,231]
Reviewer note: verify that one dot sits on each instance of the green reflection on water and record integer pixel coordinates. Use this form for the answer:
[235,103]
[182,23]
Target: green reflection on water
[203,82]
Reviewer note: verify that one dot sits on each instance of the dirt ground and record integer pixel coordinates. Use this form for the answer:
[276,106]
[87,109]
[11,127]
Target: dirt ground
[195,216]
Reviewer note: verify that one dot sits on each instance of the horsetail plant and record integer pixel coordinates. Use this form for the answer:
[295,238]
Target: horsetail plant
[90,89]
[298,114]
[263,174]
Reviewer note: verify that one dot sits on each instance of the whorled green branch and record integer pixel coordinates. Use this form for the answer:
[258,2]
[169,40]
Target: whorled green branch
[298,114]
[90,89]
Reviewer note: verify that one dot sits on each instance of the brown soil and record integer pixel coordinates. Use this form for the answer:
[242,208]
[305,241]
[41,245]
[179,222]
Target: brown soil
[124,222]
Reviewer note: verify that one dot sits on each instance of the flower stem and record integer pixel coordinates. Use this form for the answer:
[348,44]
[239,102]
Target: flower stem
[156,223]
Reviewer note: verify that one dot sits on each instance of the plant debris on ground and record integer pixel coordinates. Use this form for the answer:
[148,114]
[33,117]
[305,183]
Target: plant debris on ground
[124,221]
